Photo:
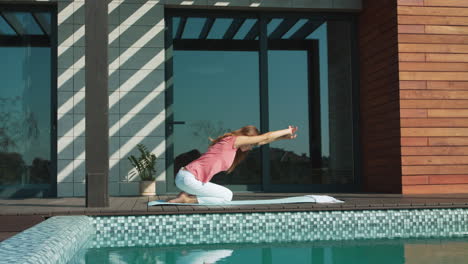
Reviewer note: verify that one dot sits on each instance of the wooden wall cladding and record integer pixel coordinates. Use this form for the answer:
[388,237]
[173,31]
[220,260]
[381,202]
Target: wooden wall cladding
[379,97]
[433,74]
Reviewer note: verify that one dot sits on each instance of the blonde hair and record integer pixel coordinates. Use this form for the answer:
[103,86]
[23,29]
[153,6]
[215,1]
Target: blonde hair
[240,155]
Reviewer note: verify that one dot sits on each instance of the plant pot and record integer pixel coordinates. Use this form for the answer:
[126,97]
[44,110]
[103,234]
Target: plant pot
[148,188]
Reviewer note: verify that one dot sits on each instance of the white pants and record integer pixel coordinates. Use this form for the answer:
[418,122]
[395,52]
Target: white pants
[207,193]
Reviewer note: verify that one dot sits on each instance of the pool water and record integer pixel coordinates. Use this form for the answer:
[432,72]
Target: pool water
[395,251]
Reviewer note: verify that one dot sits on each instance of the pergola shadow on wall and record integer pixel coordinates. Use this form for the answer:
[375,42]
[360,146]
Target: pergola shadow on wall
[135,91]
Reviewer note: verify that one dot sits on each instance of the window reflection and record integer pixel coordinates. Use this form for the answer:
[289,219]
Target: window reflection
[309,85]
[288,96]
[24,22]
[216,92]
[25,104]
[25,116]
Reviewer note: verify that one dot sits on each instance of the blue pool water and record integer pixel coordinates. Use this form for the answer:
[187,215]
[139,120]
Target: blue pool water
[444,251]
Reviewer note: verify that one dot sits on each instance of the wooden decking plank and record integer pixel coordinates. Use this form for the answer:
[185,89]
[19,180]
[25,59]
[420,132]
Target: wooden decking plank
[155,209]
[170,208]
[185,208]
[114,204]
[247,207]
[216,208]
[138,205]
[164,197]
[305,205]
[200,208]
[290,206]
[128,204]
[63,206]
[141,204]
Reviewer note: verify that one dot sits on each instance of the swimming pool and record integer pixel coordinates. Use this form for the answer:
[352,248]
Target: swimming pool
[446,251]
[387,236]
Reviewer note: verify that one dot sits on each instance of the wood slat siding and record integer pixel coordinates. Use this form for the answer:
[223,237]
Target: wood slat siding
[433,71]
[379,102]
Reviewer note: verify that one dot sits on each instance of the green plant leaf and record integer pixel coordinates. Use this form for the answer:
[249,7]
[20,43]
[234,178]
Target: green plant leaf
[145,164]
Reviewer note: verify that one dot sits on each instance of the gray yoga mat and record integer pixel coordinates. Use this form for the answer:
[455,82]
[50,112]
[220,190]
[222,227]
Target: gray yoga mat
[296,199]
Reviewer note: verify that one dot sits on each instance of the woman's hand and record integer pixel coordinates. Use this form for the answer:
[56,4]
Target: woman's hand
[292,133]
[293,130]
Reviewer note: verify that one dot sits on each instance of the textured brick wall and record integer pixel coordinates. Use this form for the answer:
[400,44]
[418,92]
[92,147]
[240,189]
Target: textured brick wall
[379,106]
[433,65]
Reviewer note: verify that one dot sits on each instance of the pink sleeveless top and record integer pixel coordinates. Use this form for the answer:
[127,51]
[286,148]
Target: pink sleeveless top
[217,158]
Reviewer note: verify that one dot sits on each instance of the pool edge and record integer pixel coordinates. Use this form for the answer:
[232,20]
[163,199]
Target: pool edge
[54,240]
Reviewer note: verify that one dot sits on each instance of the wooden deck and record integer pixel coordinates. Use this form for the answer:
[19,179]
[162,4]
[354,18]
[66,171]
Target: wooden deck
[17,215]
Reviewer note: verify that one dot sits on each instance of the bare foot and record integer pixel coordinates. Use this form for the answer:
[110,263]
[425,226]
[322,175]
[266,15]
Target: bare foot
[183,197]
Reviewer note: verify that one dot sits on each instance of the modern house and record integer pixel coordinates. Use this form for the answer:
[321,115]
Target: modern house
[378,89]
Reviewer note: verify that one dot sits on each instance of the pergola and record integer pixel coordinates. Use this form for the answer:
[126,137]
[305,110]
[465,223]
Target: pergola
[239,34]
[25,28]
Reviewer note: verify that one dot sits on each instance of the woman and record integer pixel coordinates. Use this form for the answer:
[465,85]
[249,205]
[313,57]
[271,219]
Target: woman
[224,154]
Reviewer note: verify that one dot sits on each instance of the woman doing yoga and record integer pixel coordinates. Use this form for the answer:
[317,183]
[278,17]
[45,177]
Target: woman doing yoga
[223,154]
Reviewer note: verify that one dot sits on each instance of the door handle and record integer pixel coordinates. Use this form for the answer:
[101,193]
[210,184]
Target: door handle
[176,123]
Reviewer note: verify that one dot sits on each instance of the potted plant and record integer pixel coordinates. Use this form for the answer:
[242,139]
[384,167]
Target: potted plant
[145,165]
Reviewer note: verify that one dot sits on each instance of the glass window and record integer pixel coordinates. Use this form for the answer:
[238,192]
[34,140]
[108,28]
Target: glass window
[216,92]
[288,96]
[25,115]
[25,110]
[245,28]
[5,29]
[309,84]
[219,28]
[312,82]
[295,28]
[44,21]
[193,27]
[23,22]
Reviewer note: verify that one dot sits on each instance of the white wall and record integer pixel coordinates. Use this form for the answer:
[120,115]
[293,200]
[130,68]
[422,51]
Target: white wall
[136,84]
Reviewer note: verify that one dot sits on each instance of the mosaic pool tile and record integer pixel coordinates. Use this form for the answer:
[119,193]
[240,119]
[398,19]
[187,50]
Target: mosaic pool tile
[55,240]
[153,230]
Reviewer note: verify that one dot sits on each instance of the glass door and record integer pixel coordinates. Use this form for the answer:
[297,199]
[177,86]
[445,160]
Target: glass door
[215,90]
[309,85]
[27,119]
[227,70]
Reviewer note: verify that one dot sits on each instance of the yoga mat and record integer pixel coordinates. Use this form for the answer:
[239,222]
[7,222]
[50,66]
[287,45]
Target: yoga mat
[297,199]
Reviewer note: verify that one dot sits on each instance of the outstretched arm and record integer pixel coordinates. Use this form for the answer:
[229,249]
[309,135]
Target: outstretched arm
[266,138]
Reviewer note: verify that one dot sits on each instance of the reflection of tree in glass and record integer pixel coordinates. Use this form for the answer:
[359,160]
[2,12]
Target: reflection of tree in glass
[5,141]
[18,129]
[18,126]
[40,171]
[288,167]
[12,166]
[204,129]
[248,171]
